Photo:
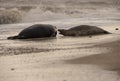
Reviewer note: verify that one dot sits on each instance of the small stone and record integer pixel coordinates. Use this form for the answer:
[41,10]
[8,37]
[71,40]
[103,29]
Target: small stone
[116,29]
[64,80]
[53,63]
[90,36]
[12,69]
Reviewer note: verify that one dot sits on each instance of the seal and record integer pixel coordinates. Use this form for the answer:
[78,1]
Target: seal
[36,31]
[82,30]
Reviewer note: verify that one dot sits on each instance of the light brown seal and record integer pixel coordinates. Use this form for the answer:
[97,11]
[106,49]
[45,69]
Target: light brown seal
[83,30]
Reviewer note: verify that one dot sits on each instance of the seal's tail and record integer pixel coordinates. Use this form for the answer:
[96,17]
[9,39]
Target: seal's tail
[106,32]
[13,37]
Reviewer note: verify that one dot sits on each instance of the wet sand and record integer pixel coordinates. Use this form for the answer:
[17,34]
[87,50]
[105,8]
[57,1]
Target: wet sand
[62,58]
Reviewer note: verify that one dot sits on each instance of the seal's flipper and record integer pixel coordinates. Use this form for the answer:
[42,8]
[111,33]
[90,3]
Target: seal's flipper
[106,32]
[13,37]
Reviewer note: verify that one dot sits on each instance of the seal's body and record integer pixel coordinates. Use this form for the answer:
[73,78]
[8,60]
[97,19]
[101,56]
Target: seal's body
[82,30]
[36,31]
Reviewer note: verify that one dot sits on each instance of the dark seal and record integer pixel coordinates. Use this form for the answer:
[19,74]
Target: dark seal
[83,30]
[36,31]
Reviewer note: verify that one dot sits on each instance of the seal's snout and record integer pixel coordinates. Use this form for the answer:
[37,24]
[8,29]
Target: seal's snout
[61,31]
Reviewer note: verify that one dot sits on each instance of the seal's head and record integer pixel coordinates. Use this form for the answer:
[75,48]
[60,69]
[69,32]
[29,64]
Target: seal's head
[62,31]
[54,32]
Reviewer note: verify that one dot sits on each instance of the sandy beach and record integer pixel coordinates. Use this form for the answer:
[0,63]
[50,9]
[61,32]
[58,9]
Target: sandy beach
[62,58]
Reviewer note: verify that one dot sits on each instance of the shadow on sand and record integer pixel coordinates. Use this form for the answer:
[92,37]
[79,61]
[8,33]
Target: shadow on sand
[108,61]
